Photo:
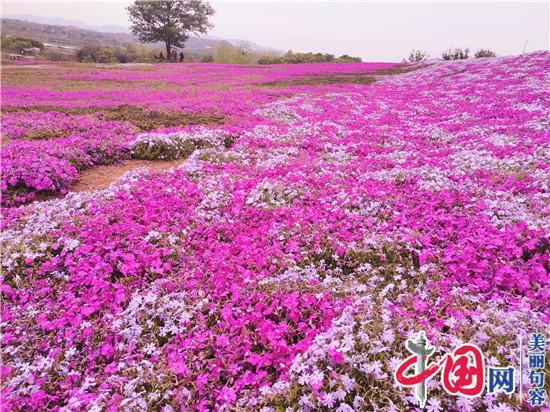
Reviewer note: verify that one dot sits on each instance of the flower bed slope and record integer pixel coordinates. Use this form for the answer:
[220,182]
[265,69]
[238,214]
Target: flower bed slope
[286,271]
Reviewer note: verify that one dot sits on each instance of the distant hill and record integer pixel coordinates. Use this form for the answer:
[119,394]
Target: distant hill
[72,36]
[65,35]
[60,21]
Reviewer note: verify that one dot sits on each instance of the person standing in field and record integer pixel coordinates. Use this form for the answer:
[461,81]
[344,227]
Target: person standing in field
[181,57]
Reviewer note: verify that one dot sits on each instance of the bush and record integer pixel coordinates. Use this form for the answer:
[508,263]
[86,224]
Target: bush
[139,53]
[484,53]
[270,60]
[417,56]
[348,59]
[239,54]
[456,54]
[207,59]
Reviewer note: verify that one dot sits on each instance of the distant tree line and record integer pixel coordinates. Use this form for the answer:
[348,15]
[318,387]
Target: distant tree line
[295,58]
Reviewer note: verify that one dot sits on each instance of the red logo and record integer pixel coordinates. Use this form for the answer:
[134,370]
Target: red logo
[463,370]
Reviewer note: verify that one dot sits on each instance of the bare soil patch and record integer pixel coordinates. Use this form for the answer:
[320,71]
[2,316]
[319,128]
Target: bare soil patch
[101,177]
[7,65]
[149,120]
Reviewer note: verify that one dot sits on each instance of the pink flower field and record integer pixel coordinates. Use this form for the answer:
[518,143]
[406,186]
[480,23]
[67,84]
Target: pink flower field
[319,215]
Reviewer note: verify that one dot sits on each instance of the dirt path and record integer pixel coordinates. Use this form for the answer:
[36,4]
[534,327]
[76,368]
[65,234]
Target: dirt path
[101,177]
[26,66]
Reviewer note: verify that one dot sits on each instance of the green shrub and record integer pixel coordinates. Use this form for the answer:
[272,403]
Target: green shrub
[456,54]
[484,53]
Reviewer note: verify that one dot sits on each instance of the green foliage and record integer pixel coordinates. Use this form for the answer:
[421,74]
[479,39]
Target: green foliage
[16,44]
[456,54]
[169,21]
[207,59]
[417,56]
[295,58]
[484,53]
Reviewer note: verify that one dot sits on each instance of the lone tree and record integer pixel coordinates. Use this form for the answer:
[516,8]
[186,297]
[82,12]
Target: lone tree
[169,21]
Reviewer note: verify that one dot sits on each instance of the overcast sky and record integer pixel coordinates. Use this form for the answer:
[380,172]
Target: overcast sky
[376,31]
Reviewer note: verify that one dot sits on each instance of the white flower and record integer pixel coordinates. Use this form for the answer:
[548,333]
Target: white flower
[434,405]
[306,401]
[328,400]
[388,336]
[348,383]
[316,377]
[149,349]
[464,404]
[344,407]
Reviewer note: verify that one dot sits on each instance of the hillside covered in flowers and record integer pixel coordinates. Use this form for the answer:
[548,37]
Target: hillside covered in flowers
[320,215]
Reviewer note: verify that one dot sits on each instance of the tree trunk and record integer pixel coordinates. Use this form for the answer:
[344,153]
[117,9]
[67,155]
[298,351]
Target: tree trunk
[168,50]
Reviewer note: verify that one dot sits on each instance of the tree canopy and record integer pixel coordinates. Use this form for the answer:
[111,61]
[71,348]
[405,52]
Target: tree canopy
[169,21]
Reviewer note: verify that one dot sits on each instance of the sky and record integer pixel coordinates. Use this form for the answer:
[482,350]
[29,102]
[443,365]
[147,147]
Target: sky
[375,31]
